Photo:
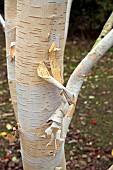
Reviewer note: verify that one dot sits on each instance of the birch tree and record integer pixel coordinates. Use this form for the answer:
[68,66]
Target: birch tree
[45,106]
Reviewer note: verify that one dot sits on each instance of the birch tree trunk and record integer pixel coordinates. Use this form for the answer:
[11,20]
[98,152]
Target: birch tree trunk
[10,34]
[39,24]
[44,113]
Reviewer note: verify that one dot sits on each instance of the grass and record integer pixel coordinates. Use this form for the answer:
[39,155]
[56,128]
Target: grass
[94,112]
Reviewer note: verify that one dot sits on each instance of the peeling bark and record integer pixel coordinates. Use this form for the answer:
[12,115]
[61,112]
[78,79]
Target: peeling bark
[76,79]
[55,69]
[45,106]
[42,24]
[75,82]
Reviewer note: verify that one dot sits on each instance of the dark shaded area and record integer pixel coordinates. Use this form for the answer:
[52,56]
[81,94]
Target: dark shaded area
[1,6]
[87,17]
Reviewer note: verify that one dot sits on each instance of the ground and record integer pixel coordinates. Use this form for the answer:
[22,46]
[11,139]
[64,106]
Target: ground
[89,141]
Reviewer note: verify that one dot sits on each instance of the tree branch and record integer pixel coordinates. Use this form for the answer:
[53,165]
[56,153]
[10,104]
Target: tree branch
[75,82]
[107,27]
[111,168]
[10,36]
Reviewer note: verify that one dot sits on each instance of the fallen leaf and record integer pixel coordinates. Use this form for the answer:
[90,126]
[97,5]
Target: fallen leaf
[9,126]
[7,158]
[93,121]
[3,134]
[91,97]
[14,159]
[110,77]
[90,149]
[11,138]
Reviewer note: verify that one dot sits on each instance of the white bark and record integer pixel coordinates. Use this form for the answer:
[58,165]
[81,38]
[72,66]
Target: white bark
[107,27]
[76,80]
[42,24]
[2,22]
[67,20]
[111,168]
[43,119]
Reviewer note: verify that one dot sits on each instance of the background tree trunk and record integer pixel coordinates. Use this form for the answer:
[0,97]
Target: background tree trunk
[10,34]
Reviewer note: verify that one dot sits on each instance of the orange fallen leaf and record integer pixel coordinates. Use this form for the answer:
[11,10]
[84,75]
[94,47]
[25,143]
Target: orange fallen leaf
[93,121]
[11,138]
[91,149]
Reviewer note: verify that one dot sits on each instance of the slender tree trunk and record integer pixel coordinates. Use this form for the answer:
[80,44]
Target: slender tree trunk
[10,34]
[2,22]
[39,24]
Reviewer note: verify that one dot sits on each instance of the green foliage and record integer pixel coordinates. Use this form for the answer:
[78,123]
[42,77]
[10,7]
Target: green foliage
[1,6]
[89,16]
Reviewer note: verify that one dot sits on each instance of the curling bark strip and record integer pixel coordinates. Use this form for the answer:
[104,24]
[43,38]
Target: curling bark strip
[10,34]
[44,113]
[43,22]
[76,80]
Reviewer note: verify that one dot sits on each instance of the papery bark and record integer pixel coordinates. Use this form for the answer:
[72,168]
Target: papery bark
[81,71]
[45,107]
[76,79]
[42,24]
